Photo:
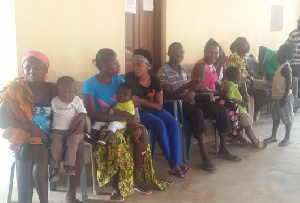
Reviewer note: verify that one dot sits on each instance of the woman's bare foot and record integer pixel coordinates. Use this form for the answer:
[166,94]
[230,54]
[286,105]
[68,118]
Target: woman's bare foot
[225,154]
[207,165]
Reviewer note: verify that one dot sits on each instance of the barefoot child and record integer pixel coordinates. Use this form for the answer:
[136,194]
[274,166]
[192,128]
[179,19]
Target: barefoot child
[123,107]
[69,116]
[282,96]
[233,94]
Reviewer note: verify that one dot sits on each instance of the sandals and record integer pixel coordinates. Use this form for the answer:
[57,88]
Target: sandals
[230,157]
[142,189]
[184,169]
[116,198]
[70,170]
[178,174]
[270,140]
[284,143]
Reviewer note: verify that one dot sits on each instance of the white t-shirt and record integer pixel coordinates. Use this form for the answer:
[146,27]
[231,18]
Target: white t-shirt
[64,113]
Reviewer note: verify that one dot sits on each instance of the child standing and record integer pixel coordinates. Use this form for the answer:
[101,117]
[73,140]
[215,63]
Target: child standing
[69,116]
[124,107]
[282,96]
[233,94]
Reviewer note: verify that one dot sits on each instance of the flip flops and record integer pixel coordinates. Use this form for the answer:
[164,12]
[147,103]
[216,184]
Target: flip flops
[140,190]
[178,174]
[184,169]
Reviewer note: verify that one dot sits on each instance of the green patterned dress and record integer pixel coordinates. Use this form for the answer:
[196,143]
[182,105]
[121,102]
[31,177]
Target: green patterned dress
[117,156]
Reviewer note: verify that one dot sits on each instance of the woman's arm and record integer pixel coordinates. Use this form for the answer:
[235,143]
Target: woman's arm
[96,116]
[6,121]
[156,104]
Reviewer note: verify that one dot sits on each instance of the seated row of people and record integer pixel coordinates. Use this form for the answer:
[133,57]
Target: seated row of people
[27,106]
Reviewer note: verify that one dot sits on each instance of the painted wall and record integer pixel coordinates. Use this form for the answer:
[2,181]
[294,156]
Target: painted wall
[70,33]
[8,48]
[193,22]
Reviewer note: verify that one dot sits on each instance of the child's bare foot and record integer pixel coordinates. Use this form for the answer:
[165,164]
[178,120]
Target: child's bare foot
[70,170]
[54,177]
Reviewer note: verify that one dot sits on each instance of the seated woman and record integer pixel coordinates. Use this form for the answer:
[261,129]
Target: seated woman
[114,159]
[25,109]
[256,88]
[149,98]
[205,71]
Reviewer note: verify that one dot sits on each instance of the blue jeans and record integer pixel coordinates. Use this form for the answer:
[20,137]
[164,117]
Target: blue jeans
[166,131]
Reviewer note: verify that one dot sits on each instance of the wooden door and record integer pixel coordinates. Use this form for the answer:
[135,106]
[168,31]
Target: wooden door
[144,30]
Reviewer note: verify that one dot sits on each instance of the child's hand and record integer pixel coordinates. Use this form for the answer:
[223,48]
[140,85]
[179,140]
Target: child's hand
[190,97]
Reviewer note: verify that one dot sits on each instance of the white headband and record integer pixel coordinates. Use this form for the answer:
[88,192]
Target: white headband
[141,58]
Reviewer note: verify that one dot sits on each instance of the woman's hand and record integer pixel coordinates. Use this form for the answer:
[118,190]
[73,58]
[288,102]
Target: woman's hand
[193,85]
[37,131]
[132,120]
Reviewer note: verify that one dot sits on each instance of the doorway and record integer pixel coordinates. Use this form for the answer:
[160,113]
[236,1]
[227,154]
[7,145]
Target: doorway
[146,30]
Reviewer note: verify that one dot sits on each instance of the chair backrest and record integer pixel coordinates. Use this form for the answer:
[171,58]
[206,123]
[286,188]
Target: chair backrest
[79,86]
[252,64]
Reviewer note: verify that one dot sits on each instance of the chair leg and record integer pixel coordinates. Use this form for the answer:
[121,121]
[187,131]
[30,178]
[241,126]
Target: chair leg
[216,140]
[11,182]
[83,184]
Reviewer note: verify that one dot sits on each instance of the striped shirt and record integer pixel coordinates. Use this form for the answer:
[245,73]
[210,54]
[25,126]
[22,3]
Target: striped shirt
[168,76]
[294,38]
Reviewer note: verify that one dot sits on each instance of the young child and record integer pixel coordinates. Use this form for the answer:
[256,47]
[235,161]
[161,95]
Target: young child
[282,96]
[69,116]
[233,94]
[123,107]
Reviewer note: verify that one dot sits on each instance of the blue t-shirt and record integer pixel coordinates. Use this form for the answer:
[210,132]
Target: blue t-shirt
[105,95]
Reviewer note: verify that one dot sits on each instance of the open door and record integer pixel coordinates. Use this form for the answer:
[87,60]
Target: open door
[145,29]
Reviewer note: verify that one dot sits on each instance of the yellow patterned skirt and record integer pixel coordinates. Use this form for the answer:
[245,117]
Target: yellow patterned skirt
[116,156]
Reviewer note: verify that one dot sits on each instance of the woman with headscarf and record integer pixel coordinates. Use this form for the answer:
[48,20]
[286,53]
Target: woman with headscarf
[26,114]
[240,47]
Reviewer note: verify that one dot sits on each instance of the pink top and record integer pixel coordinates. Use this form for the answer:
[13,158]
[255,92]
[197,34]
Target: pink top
[211,76]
